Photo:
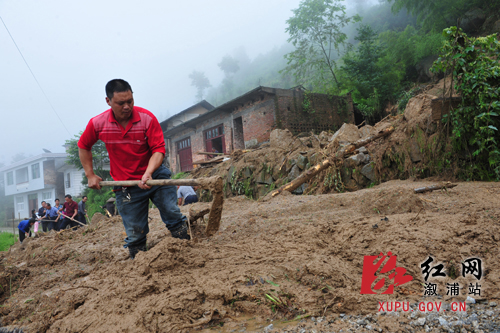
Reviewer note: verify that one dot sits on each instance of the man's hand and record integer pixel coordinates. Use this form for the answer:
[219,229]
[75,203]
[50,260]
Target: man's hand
[142,184]
[94,181]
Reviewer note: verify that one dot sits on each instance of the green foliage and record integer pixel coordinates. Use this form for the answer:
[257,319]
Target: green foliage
[100,157]
[229,65]
[316,32]
[371,79]
[180,175]
[97,199]
[7,239]
[476,73]
[201,82]
[436,15]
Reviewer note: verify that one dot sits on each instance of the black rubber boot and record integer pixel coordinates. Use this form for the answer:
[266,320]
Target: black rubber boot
[133,250]
[181,232]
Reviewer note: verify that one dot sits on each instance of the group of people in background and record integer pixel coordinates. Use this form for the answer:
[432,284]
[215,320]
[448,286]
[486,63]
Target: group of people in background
[55,217]
[59,216]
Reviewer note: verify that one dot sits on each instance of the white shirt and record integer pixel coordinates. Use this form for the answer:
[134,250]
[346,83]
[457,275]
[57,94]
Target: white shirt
[185,191]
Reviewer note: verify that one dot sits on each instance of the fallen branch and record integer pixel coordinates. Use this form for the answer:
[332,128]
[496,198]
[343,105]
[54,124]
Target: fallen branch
[313,171]
[207,153]
[434,187]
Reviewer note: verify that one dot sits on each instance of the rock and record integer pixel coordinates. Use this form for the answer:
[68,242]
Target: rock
[363,149]
[230,174]
[470,300]
[368,327]
[281,139]
[323,137]
[442,321]
[415,154]
[369,172]
[348,133]
[342,315]
[421,321]
[253,143]
[423,68]
[294,173]
[268,328]
[247,172]
[261,190]
[492,304]
[489,313]
[366,131]
[358,158]
[496,27]
[361,322]
[473,20]
[265,178]
[301,162]
[299,190]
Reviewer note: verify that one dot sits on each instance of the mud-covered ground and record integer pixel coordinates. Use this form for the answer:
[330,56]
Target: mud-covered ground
[275,261]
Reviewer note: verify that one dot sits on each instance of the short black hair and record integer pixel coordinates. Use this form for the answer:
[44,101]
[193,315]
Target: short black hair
[32,221]
[68,196]
[117,85]
[42,202]
[57,199]
[48,204]
[84,197]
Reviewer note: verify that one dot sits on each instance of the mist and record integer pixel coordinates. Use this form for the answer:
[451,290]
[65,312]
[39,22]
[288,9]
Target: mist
[73,50]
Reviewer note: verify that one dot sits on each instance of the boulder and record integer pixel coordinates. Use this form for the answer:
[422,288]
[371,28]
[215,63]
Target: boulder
[299,190]
[253,143]
[415,154]
[358,158]
[369,172]
[265,178]
[281,139]
[230,174]
[348,133]
[366,131]
[301,162]
[473,20]
[294,173]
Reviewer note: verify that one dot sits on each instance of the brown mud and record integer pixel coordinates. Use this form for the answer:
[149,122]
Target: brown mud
[304,252]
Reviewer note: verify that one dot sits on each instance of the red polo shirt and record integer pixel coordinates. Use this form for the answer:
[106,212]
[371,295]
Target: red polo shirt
[129,148]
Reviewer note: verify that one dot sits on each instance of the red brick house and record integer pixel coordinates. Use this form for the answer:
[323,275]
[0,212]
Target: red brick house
[248,120]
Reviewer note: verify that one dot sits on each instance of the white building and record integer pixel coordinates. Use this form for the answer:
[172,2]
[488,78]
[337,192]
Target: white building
[40,178]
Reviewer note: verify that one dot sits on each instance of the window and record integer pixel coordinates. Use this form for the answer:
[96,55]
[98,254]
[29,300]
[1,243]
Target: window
[22,175]
[20,203]
[214,132]
[35,170]
[46,196]
[184,144]
[10,178]
[68,180]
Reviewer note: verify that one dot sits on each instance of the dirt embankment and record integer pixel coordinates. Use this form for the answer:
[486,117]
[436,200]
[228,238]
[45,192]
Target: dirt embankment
[306,252]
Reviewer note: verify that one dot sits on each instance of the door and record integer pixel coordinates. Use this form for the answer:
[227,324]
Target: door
[185,154]
[32,202]
[214,138]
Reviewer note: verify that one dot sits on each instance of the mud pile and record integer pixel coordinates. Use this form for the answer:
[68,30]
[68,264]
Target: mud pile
[305,252]
[416,149]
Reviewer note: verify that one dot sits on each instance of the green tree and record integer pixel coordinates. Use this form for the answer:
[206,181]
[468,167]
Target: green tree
[100,156]
[316,32]
[201,82]
[436,15]
[474,65]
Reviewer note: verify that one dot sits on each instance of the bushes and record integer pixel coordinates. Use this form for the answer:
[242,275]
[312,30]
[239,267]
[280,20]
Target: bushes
[7,239]
[476,73]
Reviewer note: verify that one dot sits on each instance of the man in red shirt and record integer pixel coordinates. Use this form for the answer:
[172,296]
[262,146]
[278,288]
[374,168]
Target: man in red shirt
[136,147]
[70,209]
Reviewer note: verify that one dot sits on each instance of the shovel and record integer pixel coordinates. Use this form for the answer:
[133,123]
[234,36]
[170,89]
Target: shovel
[214,184]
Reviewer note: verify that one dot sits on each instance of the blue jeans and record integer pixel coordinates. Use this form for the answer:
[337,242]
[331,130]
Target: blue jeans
[134,211]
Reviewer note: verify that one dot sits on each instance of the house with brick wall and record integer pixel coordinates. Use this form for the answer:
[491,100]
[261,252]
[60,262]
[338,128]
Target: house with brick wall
[247,121]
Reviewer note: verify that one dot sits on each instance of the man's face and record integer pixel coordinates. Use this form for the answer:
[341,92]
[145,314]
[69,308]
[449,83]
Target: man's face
[67,199]
[122,104]
[84,199]
[57,202]
[44,204]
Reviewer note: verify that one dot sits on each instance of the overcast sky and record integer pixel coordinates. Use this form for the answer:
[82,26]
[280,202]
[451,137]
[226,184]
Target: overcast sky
[74,48]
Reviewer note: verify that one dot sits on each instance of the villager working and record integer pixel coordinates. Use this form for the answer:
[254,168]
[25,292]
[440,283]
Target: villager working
[81,210]
[70,209]
[51,213]
[136,148]
[186,194]
[24,228]
[110,206]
